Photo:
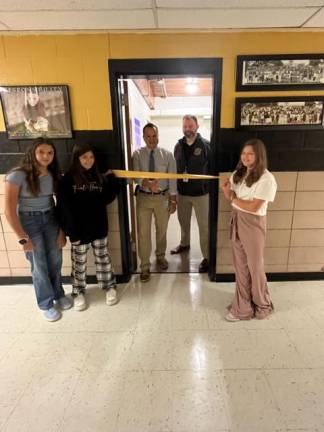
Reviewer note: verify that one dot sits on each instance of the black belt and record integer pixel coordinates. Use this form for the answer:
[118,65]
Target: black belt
[33,213]
[154,193]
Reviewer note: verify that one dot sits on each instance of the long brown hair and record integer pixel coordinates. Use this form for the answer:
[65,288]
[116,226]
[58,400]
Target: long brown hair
[81,175]
[29,165]
[259,167]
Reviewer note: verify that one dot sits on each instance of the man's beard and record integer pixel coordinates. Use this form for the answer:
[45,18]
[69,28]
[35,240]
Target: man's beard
[189,134]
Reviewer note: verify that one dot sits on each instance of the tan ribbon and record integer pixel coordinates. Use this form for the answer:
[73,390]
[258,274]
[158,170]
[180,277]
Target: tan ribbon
[161,175]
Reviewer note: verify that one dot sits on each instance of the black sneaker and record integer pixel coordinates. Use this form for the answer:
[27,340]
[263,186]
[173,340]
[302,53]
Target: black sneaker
[203,266]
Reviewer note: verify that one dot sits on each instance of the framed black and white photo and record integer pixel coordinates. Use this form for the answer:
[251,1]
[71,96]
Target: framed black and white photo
[279,113]
[280,72]
[36,110]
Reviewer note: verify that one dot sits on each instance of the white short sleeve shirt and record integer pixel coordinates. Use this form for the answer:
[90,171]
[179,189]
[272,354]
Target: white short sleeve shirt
[264,189]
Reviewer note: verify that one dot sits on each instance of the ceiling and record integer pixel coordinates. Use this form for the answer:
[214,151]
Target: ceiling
[78,15]
[152,88]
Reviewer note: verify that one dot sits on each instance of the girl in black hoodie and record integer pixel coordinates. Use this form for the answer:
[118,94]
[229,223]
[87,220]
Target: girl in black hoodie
[82,199]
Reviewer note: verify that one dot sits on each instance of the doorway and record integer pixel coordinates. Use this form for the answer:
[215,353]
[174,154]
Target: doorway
[163,74]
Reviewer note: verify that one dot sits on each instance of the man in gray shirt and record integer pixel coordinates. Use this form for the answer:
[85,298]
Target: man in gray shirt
[156,197]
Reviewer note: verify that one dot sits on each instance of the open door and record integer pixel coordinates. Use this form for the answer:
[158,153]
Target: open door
[128,140]
[120,72]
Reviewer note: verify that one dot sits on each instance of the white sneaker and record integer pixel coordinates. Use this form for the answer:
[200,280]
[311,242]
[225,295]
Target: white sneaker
[111,297]
[80,302]
[231,318]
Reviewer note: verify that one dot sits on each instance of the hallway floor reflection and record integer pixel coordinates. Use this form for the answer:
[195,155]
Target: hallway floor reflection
[163,360]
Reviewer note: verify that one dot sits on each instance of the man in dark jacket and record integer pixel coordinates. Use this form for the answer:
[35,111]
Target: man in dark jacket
[192,154]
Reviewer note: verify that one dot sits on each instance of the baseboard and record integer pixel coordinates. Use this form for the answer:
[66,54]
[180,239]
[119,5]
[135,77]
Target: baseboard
[276,277]
[220,277]
[21,280]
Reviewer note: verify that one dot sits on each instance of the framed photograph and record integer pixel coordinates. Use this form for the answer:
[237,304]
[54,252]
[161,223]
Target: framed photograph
[36,110]
[280,72]
[279,113]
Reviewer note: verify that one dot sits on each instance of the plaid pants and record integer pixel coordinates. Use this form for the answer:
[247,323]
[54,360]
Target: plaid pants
[104,271]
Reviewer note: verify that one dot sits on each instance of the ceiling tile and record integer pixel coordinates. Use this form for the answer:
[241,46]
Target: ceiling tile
[238,4]
[23,5]
[232,18]
[317,20]
[90,20]
[3,26]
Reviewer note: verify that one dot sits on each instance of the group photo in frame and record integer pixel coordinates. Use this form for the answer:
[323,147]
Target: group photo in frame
[31,111]
[280,72]
[279,113]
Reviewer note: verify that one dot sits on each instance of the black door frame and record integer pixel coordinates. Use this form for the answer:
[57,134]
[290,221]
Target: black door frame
[184,66]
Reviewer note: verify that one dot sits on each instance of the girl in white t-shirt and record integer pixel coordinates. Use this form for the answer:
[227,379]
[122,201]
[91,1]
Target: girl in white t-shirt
[249,189]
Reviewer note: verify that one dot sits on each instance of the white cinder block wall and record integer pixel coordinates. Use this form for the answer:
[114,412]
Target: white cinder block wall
[295,237]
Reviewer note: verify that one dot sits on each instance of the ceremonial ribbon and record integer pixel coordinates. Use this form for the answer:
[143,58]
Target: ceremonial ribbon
[161,175]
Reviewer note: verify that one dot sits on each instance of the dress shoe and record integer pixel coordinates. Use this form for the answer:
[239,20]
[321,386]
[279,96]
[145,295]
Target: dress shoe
[145,276]
[162,263]
[179,249]
[203,266]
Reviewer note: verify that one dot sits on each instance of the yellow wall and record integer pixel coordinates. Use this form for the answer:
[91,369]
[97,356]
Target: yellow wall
[81,62]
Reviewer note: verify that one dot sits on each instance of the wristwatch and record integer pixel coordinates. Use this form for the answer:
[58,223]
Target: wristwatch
[23,241]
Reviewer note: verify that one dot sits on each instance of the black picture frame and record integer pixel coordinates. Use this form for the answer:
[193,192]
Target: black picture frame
[280,72]
[279,113]
[31,111]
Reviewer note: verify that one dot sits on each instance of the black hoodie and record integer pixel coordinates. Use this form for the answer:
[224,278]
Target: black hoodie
[193,159]
[82,208]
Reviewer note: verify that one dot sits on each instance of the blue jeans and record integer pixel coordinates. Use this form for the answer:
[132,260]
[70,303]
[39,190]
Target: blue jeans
[46,258]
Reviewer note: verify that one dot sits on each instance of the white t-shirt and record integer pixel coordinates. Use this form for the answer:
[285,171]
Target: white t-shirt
[264,189]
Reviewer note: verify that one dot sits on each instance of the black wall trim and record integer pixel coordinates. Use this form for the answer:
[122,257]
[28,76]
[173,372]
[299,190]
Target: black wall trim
[287,150]
[21,280]
[276,277]
[108,154]
[220,277]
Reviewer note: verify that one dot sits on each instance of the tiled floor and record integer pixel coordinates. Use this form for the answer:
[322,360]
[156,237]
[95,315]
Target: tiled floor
[186,261]
[163,360]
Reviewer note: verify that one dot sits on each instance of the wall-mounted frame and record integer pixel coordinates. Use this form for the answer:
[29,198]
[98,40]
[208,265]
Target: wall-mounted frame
[36,110]
[280,72]
[279,113]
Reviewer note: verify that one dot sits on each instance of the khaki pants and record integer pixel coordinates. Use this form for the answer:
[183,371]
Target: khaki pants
[201,207]
[146,207]
[252,298]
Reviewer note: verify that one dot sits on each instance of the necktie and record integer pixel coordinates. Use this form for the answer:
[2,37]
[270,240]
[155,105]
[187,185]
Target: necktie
[152,162]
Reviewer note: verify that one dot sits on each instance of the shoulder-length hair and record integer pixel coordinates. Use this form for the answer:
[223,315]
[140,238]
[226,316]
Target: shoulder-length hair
[81,175]
[259,167]
[29,165]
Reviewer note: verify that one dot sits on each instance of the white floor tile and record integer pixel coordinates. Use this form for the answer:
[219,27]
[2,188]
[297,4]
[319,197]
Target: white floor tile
[310,345]
[250,403]
[150,351]
[151,409]
[42,406]
[163,360]
[235,349]
[199,403]
[299,395]
[95,403]
[109,352]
